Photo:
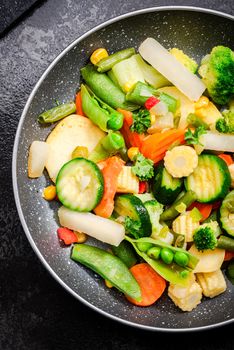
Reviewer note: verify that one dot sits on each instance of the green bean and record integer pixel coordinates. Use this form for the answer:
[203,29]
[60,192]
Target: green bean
[225,242]
[171,213]
[57,113]
[108,62]
[140,93]
[105,89]
[170,101]
[109,267]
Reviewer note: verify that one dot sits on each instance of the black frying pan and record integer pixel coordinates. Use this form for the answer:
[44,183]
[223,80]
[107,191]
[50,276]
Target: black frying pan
[194,30]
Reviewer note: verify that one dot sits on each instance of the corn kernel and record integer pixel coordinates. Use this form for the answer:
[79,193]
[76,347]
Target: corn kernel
[202,102]
[49,193]
[152,119]
[132,152]
[127,87]
[81,236]
[98,55]
[108,284]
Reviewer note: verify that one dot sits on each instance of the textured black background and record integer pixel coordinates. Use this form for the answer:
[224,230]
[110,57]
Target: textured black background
[35,312]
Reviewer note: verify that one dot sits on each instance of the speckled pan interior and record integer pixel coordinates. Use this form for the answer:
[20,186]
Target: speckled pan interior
[196,32]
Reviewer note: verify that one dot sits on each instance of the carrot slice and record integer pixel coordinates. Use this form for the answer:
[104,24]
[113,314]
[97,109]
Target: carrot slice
[227,158]
[132,139]
[152,284]
[228,255]
[165,145]
[205,209]
[79,109]
[156,145]
[110,171]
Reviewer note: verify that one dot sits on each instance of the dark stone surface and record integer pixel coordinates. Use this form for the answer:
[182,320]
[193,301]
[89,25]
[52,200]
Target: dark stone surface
[35,312]
[12,11]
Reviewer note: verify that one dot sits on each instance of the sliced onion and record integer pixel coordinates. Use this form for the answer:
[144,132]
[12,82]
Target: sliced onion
[104,230]
[172,69]
[38,154]
[159,109]
[162,123]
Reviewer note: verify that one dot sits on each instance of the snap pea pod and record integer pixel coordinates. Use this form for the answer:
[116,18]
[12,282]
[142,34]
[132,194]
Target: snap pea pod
[99,112]
[194,120]
[108,146]
[109,267]
[172,272]
[105,89]
[171,213]
[126,253]
[108,62]
[141,92]
[225,242]
[56,113]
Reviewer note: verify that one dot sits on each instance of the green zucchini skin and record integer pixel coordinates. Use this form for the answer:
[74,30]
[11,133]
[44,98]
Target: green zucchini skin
[211,179]
[226,209]
[132,206]
[67,185]
[165,188]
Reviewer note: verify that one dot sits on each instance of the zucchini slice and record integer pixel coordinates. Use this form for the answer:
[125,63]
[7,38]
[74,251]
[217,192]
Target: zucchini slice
[227,213]
[80,185]
[166,188]
[131,206]
[210,180]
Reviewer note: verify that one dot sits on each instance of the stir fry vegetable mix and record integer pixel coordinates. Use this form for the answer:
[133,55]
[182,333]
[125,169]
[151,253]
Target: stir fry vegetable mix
[146,165]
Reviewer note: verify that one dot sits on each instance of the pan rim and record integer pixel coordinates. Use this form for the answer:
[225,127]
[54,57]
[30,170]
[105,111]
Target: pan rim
[15,152]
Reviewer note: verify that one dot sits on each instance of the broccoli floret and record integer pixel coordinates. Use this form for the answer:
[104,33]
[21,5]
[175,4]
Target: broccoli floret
[217,72]
[205,237]
[133,227]
[188,62]
[141,121]
[143,168]
[226,124]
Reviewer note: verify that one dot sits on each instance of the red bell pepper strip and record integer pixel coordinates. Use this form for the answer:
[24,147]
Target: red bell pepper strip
[66,235]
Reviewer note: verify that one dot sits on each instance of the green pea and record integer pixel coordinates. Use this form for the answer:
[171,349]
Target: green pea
[154,253]
[181,259]
[167,255]
[143,246]
[184,273]
[116,121]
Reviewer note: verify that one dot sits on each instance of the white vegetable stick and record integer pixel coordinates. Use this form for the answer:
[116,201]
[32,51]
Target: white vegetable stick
[218,142]
[104,230]
[172,69]
[38,154]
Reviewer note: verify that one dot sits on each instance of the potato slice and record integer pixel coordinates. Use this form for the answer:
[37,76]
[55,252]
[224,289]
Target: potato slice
[69,133]
[38,154]
[209,260]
